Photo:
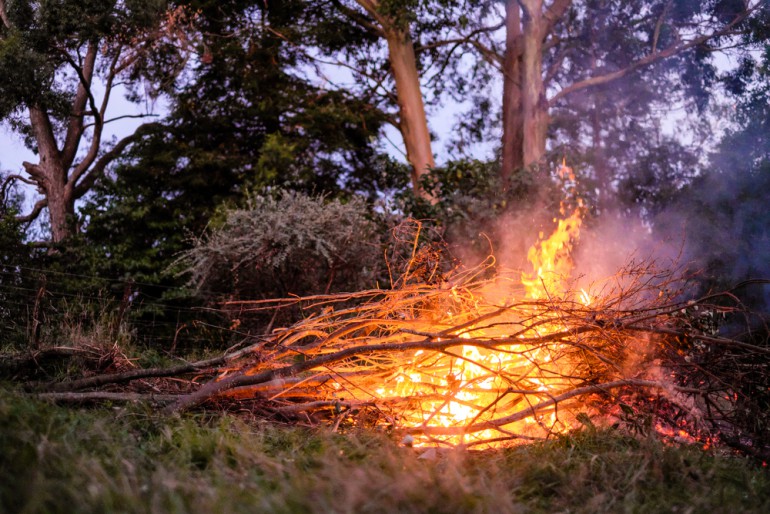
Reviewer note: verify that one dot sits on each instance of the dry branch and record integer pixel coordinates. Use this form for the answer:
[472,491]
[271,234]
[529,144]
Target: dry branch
[402,356]
[128,376]
[472,360]
[100,396]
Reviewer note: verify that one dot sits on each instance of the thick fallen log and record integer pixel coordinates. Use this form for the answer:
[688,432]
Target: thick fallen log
[102,396]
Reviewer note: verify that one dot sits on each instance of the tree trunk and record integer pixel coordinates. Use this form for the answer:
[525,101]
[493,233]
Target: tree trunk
[51,175]
[61,208]
[513,137]
[534,102]
[413,121]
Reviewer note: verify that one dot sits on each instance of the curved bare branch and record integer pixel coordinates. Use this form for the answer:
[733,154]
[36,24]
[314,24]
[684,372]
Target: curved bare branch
[34,213]
[88,179]
[653,57]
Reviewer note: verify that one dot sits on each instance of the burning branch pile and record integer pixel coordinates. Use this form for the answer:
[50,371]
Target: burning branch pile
[480,356]
[474,358]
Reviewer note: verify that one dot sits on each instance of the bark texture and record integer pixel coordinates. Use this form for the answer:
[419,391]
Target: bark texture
[513,136]
[413,120]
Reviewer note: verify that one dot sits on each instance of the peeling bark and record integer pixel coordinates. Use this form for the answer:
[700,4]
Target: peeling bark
[413,121]
[513,136]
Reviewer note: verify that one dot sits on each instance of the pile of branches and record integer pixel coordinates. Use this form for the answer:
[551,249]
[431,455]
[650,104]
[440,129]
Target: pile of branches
[466,358]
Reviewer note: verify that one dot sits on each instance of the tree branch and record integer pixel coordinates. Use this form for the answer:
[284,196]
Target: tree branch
[462,39]
[658,26]
[89,178]
[128,376]
[14,177]
[109,83]
[7,183]
[46,142]
[92,396]
[488,53]
[215,388]
[34,171]
[554,13]
[83,94]
[371,6]
[531,8]
[93,151]
[650,58]
[359,18]
[127,116]
[34,213]
[553,69]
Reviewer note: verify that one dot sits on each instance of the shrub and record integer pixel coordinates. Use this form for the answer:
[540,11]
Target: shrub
[287,243]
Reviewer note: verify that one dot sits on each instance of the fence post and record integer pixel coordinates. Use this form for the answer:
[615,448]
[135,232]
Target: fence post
[36,315]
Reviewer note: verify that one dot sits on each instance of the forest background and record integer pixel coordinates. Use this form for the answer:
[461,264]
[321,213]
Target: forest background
[268,149]
[660,107]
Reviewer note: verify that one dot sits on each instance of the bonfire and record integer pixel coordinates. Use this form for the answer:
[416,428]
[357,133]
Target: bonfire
[473,357]
[479,356]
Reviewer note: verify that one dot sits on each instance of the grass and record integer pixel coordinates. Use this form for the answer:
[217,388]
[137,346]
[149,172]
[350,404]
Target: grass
[116,459]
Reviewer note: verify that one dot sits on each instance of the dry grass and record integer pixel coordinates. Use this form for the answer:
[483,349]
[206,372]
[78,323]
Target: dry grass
[54,459]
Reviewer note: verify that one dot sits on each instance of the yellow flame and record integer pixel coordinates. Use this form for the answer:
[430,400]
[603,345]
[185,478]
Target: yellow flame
[458,388]
[550,259]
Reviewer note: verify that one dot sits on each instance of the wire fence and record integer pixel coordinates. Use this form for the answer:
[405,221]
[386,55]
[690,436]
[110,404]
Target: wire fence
[42,306]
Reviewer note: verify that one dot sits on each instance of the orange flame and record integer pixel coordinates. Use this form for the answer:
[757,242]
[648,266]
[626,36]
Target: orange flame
[551,257]
[458,388]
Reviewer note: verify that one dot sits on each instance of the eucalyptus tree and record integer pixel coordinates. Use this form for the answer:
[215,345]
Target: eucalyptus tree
[378,49]
[556,51]
[60,62]
[558,60]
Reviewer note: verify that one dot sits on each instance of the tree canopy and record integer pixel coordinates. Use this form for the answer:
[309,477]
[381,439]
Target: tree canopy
[347,98]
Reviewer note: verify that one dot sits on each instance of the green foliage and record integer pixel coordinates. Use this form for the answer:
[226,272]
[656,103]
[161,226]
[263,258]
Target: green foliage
[246,108]
[75,292]
[42,36]
[242,121]
[15,282]
[474,207]
[657,176]
[55,459]
[287,243]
